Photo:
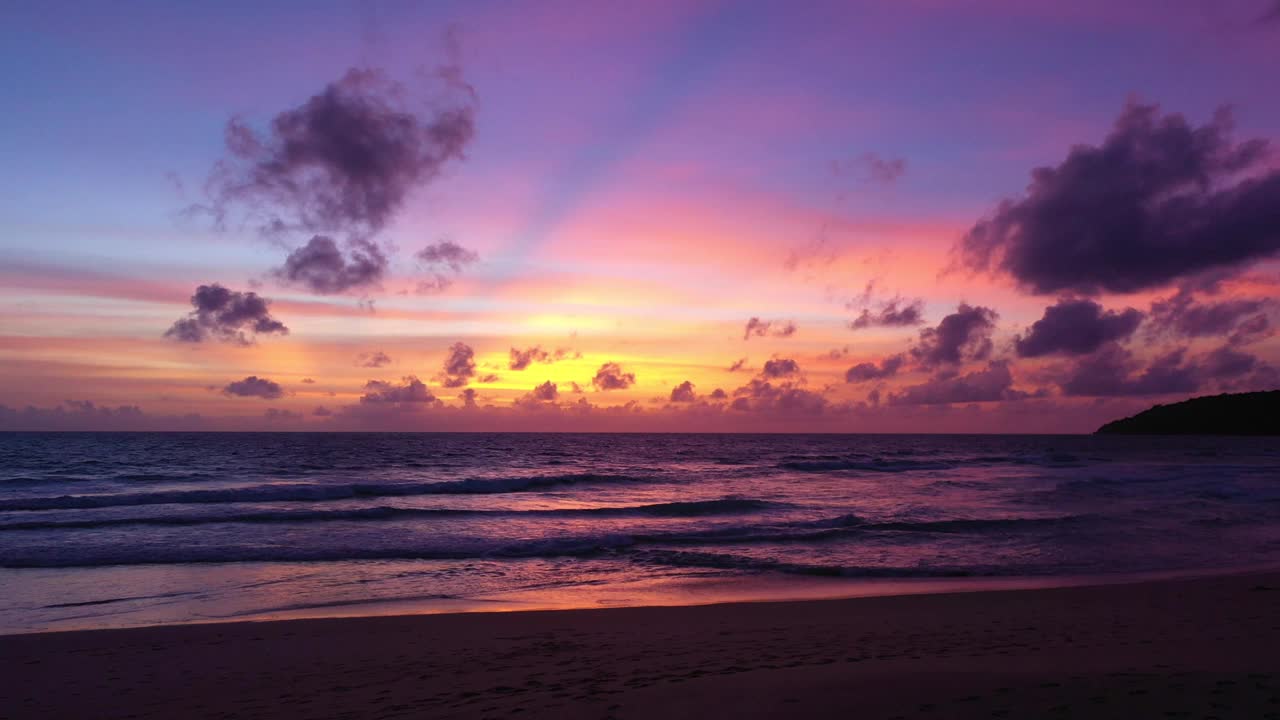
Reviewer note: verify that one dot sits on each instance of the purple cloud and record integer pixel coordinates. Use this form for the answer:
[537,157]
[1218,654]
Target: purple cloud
[961,336]
[321,267]
[459,365]
[780,368]
[374,359]
[469,397]
[611,377]
[546,392]
[1112,372]
[254,386]
[683,393]
[761,395]
[862,372]
[1159,200]
[989,385]
[1227,363]
[443,261]
[891,314]
[778,388]
[521,359]
[1272,14]
[1076,327]
[343,161]
[225,315]
[761,328]
[1244,320]
[411,391]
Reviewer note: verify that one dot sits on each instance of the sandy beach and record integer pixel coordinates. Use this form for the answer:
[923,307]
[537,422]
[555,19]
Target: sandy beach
[1201,648]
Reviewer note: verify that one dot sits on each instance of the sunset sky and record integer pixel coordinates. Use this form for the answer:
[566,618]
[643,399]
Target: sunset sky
[910,216]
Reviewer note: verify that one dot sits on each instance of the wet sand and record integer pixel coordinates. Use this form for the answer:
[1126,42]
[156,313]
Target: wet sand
[1197,648]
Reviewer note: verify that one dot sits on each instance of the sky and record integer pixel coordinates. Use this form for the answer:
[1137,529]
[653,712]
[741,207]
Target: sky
[910,216]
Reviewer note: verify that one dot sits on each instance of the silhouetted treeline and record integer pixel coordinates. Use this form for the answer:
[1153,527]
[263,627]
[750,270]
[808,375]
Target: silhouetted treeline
[1255,413]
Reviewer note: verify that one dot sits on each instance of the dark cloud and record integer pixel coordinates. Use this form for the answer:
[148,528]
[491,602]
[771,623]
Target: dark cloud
[683,393]
[1234,371]
[546,392]
[459,365]
[871,168]
[894,313]
[1076,327]
[1227,363]
[308,381]
[988,385]
[961,336]
[343,161]
[739,364]
[254,386]
[1254,329]
[374,359]
[780,368]
[862,372]
[278,415]
[521,359]
[719,394]
[85,415]
[226,315]
[611,377]
[322,411]
[469,397]
[1272,15]
[778,388]
[323,268]
[87,407]
[543,396]
[760,395]
[762,328]
[447,254]
[1244,320]
[1113,372]
[411,391]
[443,261]
[1159,200]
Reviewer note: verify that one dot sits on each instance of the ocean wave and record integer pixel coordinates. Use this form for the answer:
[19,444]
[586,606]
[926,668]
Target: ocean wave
[54,478]
[312,492]
[693,508]
[878,465]
[844,526]
[456,548]
[976,525]
[729,561]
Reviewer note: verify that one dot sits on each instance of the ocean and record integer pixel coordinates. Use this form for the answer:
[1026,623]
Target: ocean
[114,530]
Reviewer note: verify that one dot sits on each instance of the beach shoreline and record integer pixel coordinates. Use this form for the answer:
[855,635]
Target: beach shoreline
[689,592]
[1138,648]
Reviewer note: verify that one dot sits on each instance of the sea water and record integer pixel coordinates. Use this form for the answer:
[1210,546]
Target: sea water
[106,529]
